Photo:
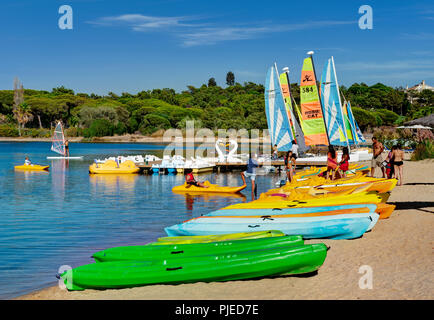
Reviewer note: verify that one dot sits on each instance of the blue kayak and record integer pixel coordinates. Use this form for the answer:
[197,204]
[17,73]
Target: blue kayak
[341,226]
[345,208]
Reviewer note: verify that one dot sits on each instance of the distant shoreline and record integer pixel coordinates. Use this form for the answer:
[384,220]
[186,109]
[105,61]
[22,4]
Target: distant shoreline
[128,138]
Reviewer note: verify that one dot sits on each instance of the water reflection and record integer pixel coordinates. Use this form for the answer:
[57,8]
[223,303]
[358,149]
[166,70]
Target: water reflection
[113,183]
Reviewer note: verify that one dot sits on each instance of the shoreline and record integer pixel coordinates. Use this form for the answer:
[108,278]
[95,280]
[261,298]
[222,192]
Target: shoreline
[398,249]
[121,139]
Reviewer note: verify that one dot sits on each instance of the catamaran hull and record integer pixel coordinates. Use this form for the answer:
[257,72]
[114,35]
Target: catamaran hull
[66,158]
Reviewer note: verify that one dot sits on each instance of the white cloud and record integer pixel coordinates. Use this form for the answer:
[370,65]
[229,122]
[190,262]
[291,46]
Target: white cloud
[193,33]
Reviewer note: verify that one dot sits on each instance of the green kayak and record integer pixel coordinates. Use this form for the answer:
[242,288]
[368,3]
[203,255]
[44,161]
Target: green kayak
[225,267]
[217,237]
[169,251]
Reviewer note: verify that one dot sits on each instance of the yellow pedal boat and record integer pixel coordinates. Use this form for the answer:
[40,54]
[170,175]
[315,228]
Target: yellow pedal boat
[111,166]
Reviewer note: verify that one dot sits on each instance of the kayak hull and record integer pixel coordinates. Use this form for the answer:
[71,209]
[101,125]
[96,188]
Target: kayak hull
[217,238]
[179,251]
[211,188]
[225,267]
[110,166]
[342,226]
[32,167]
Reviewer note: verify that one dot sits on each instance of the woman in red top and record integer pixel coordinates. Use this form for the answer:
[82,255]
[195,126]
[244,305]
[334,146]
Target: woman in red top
[344,165]
[190,180]
[332,162]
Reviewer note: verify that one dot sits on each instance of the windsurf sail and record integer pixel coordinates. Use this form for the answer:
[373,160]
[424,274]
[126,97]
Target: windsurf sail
[297,132]
[58,140]
[333,114]
[277,116]
[354,126]
[314,129]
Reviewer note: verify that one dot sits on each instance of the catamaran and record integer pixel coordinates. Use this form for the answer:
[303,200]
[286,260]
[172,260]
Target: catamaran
[324,119]
[58,144]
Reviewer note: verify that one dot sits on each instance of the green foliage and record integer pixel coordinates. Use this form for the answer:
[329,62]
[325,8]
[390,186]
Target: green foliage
[99,128]
[36,133]
[387,117]
[364,118]
[212,82]
[424,150]
[7,130]
[230,78]
[152,123]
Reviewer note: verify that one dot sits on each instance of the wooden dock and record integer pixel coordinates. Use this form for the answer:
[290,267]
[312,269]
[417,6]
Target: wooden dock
[236,166]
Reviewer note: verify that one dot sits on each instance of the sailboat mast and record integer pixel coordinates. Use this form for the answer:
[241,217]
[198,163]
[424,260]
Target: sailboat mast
[310,53]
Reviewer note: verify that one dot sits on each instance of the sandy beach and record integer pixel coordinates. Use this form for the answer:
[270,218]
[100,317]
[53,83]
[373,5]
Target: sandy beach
[399,250]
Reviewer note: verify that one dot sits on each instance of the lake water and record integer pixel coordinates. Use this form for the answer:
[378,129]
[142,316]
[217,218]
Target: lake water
[61,217]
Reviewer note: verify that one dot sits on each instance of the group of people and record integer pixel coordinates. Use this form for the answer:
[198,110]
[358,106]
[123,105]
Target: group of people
[335,169]
[392,166]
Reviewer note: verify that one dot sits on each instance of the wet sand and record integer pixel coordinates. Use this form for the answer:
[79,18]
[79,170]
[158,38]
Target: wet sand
[399,250]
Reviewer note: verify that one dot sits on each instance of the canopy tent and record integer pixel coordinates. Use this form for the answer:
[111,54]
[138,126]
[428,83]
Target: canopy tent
[427,121]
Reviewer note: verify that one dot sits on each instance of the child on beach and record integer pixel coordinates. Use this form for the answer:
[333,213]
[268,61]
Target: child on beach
[344,164]
[251,173]
[332,162]
[191,181]
[398,162]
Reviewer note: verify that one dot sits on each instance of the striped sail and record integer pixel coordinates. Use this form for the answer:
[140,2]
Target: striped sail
[331,100]
[58,140]
[311,110]
[297,132]
[354,126]
[277,116]
[348,127]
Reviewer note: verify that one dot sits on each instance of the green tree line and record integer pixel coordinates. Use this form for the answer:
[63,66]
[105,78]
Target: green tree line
[233,106]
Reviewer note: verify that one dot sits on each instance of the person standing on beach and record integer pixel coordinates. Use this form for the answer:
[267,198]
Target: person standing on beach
[251,173]
[288,165]
[344,164]
[398,162]
[377,159]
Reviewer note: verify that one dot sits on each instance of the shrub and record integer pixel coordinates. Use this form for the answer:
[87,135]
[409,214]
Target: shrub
[424,150]
[152,123]
[99,128]
[7,130]
[73,132]
[35,133]
[120,129]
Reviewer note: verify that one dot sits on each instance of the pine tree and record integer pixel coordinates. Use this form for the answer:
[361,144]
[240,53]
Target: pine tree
[212,82]
[230,78]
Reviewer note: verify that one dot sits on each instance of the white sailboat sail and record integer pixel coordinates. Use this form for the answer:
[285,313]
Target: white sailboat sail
[58,145]
[277,116]
[333,114]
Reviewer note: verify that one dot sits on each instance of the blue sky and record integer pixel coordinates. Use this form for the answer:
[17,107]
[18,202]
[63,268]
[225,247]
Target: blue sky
[132,45]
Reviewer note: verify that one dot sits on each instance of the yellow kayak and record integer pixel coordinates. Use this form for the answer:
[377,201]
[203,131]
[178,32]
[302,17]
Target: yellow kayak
[313,171]
[32,167]
[212,188]
[111,166]
[313,201]
[358,180]
[220,237]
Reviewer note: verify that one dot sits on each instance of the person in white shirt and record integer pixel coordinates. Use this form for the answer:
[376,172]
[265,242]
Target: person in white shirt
[27,162]
[294,148]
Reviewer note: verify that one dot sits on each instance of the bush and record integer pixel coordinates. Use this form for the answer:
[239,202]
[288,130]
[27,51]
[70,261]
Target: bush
[99,128]
[35,133]
[120,129]
[387,117]
[364,118]
[424,150]
[73,132]
[7,130]
[152,123]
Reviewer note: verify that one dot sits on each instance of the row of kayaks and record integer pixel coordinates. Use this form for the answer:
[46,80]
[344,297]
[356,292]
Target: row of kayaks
[264,237]
[269,253]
